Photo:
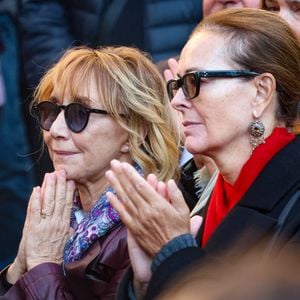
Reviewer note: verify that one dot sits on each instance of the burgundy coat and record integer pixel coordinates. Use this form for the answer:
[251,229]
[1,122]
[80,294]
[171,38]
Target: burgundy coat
[95,276]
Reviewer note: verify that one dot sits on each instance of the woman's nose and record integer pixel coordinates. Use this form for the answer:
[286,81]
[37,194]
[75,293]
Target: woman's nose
[59,126]
[179,101]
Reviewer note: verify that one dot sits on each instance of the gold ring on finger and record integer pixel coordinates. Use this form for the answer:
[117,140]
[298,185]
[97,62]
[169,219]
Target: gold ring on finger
[44,214]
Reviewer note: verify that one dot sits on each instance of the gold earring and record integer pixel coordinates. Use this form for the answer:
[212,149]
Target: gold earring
[256,130]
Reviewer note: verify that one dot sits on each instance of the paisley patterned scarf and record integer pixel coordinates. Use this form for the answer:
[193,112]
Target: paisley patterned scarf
[94,224]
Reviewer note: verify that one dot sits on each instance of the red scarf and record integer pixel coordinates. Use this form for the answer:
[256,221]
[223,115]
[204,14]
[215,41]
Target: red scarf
[225,196]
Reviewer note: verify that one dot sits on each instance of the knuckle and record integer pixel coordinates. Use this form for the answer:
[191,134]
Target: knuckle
[140,186]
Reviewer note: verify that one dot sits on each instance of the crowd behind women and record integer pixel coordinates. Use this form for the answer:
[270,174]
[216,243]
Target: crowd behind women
[241,114]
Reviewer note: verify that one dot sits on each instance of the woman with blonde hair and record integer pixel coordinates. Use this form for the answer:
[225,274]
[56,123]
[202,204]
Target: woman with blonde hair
[92,106]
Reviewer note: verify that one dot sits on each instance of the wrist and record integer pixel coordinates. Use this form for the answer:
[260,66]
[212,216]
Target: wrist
[140,289]
[33,263]
[14,272]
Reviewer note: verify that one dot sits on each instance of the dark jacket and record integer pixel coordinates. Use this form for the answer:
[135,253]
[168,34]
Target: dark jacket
[253,222]
[95,276]
[16,174]
[49,27]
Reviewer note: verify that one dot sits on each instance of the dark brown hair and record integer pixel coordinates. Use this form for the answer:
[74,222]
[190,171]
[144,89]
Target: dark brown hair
[261,41]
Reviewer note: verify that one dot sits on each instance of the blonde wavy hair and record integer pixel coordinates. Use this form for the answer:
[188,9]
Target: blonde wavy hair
[129,82]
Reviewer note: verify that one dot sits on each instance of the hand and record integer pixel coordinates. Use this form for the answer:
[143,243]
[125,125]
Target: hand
[161,188]
[171,72]
[49,221]
[19,266]
[150,217]
[195,223]
[141,265]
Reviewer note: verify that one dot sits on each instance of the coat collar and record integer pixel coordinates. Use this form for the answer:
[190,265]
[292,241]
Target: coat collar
[251,219]
[281,174]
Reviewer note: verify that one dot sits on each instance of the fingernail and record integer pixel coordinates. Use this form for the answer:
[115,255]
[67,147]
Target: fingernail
[115,163]
[108,173]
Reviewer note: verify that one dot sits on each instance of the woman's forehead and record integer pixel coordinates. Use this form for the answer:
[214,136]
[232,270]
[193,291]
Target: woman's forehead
[85,93]
[205,50]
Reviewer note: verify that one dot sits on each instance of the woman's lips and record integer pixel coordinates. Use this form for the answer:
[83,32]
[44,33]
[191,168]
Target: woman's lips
[64,152]
[190,123]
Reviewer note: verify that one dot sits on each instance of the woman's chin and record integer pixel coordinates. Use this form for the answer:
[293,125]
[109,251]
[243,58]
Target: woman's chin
[194,148]
[69,173]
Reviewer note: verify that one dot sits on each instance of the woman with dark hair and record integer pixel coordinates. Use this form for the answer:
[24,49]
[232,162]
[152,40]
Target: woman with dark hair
[238,90]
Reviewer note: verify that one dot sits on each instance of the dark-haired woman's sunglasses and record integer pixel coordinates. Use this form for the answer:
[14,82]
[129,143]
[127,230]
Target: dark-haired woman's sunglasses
[190,82]
[76,114]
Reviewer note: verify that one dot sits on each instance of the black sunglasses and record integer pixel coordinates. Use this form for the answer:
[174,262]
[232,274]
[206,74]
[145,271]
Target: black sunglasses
[76,114]
[190,82]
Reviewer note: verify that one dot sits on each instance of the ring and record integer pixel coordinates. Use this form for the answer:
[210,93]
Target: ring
[44,214]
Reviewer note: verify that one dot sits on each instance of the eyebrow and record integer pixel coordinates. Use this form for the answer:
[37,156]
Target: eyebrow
[192,70]
[78,99]
[83,100]
[54,99]
[188,71]
[271,2]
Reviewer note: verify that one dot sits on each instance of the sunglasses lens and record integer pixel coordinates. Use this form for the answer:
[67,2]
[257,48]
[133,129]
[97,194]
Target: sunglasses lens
[76,117]
[47,113]
[189,86]
[172,88]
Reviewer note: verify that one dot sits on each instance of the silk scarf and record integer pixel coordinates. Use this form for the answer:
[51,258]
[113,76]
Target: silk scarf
[94,224]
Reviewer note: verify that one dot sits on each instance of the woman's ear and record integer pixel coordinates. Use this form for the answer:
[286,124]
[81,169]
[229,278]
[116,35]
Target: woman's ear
[265,93]
[125,148]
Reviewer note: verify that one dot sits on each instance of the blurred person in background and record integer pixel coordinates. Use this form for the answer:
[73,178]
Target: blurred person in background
[93,106]
[16,171]
[290,11]
[245,278]
[212,6]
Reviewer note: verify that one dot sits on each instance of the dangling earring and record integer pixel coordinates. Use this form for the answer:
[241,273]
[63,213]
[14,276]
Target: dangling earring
[256,130]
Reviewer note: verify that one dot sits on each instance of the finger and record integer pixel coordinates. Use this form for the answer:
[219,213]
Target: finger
[120,208]
[173,65]
[49,194]
[195,223]
[152,180]
[176,197]
[117,179]
[70,190]
[162,189]
[140,191]
[118,188]
[44,185]
[60,194]
[28,211]
[168,75]
[35,207]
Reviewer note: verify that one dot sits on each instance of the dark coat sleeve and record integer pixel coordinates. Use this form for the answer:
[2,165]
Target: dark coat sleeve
[45,33]
[95,276]
[44,279]
[164,275]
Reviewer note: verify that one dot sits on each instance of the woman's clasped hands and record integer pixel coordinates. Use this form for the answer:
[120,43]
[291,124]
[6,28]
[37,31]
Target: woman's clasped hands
[47,225]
